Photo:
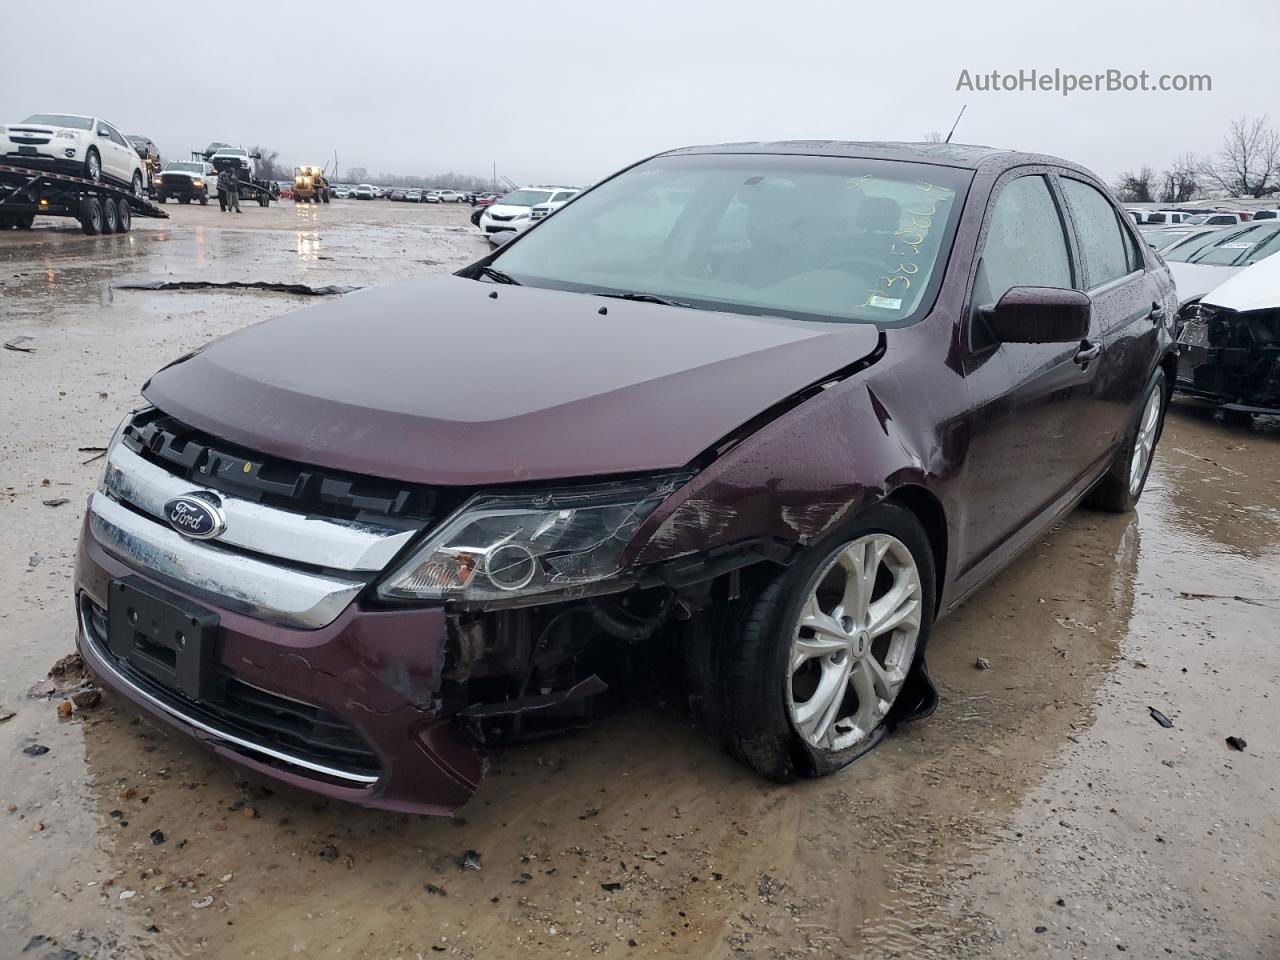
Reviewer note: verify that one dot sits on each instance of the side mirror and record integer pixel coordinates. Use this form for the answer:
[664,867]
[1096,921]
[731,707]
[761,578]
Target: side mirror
[1039,315]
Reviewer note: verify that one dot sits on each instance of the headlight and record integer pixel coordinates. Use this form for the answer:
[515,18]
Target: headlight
[115,439]
[156,181]
[521,216]
[66,135]
[197,183]
[526,548]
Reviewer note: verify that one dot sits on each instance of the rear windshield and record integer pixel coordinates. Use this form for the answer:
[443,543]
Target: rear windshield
[819,238]
[181,166]
[526,198]
[1230,248]
[61,120]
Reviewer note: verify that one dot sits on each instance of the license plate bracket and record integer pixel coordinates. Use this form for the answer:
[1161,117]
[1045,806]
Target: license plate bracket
[165,636]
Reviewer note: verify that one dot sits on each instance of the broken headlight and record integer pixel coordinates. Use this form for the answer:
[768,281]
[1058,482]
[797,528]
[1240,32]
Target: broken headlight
[525,548]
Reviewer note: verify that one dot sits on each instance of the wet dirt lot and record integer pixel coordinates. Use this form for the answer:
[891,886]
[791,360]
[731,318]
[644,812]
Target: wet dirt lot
[1041,812]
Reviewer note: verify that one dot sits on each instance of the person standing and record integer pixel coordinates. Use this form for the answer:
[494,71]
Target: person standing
[222,190]
[233,189]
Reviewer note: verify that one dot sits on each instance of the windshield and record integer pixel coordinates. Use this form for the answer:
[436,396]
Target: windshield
[1156,239]
[526,198]
[181,166]
[61,120]
[822,238]
[232,152]
[1230,248]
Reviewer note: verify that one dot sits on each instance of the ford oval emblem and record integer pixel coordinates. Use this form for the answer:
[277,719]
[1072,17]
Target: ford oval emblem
[196,515]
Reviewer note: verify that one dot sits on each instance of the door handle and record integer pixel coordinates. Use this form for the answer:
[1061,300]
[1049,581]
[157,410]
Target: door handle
[1088,351]
[1157,312]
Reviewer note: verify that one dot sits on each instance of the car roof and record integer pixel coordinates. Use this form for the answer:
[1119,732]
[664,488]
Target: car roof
[966,156]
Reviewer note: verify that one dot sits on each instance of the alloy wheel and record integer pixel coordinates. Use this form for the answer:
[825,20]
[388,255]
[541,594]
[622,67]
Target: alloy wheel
[854,642]
[1145,442]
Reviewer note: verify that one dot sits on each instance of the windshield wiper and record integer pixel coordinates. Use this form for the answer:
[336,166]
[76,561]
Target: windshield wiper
[643,298]
[493,273]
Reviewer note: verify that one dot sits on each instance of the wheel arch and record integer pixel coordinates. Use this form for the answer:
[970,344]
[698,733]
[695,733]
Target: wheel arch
[927,509]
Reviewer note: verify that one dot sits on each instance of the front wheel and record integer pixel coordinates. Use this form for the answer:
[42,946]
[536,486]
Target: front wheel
[137,184]
[1121,486]
[817,661]
[92,165]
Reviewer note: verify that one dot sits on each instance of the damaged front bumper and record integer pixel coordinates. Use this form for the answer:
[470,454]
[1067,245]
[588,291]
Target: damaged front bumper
[348,710]
[1230,357]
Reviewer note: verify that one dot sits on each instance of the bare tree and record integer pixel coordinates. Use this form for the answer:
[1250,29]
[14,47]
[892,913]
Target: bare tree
[269,166]
[1249,163]
[1180,181]
[357,175]
[933,136]
[1136,187]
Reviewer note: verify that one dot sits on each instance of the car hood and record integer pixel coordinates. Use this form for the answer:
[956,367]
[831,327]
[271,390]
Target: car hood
[507,209]
[1194,280]
[1255,287]
[458,382]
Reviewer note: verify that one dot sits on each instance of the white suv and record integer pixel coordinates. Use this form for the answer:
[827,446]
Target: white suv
[515,211]
[86,147]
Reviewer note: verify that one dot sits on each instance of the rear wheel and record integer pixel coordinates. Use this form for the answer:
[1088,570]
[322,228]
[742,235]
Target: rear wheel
[7,221]
[184,199]
[1121,486]
[137,184]
[110,216]
[90,216]
[92,165]
[124,216]
[160,198]
[23,221]
[817,660]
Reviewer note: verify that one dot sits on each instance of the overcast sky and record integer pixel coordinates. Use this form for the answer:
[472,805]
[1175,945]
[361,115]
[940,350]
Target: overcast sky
[566,91]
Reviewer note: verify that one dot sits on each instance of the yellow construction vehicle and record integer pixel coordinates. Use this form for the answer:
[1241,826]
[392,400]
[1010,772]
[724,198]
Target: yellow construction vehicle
[310,184]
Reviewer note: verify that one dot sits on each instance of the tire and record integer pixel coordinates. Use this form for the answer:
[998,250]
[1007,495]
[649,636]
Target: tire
[184,200]
[110,216]
[137,184]
[204,199]
[1121,486]
[7,221]
[91,216]
[23,221]
[160,198]
[759,701]
[324,197]
[93,165]
[124,216]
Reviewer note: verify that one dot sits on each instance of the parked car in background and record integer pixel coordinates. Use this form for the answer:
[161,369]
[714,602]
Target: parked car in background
[1229,343]
[1204,263]
[1166,238]
[514,212]
[238,159]
[342,193]
[543,210]
[1266,214]
[285,189]
[449,196]
[397,194]
[1217,219]
[365,191]
[186,180]
[1166,217]
[413,196]
[431,196]
[88,147]
[676,351]
[149,153]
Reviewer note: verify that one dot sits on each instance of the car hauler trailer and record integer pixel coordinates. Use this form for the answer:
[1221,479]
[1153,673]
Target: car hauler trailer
[99,207]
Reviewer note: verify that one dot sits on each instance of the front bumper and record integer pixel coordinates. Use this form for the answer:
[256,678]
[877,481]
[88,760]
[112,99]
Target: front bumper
[47,157]
[370,677]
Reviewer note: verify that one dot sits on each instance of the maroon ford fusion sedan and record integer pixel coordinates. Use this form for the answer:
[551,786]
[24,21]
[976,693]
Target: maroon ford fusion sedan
[767,410]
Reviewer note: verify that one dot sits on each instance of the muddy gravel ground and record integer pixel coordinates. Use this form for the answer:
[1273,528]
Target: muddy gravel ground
[1041,812]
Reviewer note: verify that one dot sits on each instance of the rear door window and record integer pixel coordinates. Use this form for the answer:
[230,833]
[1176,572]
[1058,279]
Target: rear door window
[1107,255]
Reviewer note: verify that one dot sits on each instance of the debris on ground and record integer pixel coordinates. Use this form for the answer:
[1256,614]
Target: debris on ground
[298,288]
[202,902]
[86,699]
[6,714]
[34,561]
[328,852]
[470,860]
[69,667]
[611,887]
[432,889]
[157,837]
[982,663]
[56,501]
[17,344]
[35,750]
[64,709]
[1160,718]
[1237,743]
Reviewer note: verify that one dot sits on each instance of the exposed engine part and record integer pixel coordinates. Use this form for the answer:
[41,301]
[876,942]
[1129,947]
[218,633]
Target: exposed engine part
[1230,356]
